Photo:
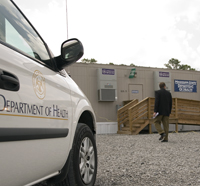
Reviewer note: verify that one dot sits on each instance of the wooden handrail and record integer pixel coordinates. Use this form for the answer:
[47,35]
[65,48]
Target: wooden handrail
[184,111]
[188,110]
[128,105]
[122,113]
[137,112]
[139,102]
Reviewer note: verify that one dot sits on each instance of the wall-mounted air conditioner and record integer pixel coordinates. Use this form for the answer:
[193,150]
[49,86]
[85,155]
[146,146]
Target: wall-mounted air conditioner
[107,84]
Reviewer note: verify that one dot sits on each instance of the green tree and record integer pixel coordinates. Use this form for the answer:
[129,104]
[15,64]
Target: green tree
[175,64]
[186,67]
[85,60]
[92,60]
[111,63]
[132,65]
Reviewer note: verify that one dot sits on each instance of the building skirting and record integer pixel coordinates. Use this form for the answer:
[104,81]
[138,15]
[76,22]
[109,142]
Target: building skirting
[107,127]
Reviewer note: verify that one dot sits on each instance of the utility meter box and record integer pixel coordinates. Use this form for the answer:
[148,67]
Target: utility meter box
[161,76]
[107,84]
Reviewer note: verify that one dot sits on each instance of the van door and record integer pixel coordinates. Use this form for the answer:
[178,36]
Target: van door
[35,104]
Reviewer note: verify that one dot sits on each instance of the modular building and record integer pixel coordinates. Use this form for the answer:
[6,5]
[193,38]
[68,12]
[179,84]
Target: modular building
[108,87]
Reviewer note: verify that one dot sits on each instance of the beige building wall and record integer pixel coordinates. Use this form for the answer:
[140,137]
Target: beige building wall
[85,75]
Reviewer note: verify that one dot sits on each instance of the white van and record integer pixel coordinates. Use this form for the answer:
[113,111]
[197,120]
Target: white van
[47,125]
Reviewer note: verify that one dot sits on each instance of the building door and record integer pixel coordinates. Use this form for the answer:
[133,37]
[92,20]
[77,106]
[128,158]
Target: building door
[135,92]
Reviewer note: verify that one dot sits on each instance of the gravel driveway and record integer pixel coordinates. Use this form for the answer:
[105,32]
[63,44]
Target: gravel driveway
[143,160]
[135,160]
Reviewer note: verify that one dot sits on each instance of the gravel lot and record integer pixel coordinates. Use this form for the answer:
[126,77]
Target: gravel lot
[126,160]
[143,160]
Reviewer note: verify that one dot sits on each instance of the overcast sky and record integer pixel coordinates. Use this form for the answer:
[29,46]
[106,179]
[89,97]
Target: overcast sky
[142,32]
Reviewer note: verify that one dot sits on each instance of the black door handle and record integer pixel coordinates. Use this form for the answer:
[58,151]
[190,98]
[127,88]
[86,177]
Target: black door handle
[8,81]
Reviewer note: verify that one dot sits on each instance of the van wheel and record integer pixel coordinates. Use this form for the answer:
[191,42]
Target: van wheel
[83,164]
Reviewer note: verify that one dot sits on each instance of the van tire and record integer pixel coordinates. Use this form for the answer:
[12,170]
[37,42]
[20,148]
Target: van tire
[85,162]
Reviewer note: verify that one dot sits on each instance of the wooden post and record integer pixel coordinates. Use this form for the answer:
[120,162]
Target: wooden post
[176,108]
[149,108]
[176,113]
[176,127]
[149,115]
[130,118]
[150,128]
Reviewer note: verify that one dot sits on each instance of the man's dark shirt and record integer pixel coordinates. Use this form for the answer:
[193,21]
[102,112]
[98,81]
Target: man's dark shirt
[163,102]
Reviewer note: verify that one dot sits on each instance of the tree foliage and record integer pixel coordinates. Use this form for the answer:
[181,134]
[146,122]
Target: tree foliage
[85,60]
[132,65]
[185,67]
[175,64]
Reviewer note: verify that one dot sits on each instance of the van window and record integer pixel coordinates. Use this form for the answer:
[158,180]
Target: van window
[18,33]
[13,38]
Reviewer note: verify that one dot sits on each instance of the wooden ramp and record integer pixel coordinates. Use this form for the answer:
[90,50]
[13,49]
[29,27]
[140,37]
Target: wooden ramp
[135,116]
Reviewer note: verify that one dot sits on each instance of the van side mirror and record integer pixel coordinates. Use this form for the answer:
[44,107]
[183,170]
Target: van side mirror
[71,51]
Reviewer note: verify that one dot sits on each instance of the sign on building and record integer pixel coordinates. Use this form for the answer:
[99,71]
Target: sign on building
[163,74]
[185,86]
[135,91]
[132,73]
[108,71]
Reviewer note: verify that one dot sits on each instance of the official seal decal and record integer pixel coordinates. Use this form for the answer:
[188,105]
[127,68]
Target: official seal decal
[39,84]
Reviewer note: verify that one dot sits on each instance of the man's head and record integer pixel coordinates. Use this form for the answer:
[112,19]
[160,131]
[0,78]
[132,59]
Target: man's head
[162,85]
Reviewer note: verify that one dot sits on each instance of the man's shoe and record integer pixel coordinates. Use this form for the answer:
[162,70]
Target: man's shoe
[164,141]
[162,136]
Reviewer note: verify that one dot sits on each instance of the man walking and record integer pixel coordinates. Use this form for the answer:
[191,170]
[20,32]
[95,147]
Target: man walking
[162,110]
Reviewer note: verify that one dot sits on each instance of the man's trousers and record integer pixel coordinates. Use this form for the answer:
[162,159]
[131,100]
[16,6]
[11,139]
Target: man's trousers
[165,122]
